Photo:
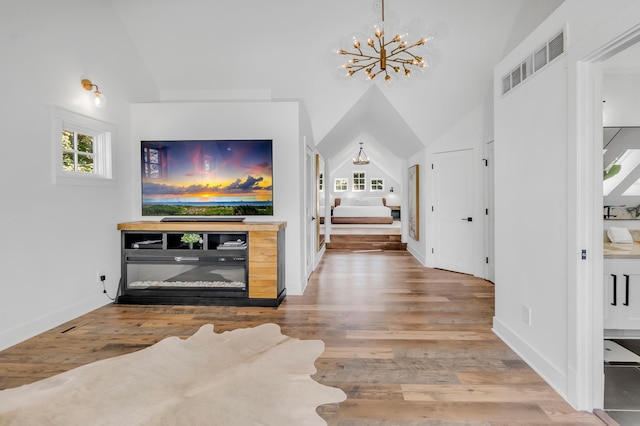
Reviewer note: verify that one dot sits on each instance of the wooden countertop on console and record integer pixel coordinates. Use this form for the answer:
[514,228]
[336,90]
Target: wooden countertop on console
[622,251]
[201,226]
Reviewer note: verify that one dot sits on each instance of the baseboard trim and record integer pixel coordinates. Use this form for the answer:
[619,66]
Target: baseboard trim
[39,325]
[417,255]
[541,365]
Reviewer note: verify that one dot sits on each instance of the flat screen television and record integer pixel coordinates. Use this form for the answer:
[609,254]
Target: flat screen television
[207,177]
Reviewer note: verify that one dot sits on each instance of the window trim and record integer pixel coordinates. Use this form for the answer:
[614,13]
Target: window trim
[335,184]
[381,184]
[103,134]
[359,181]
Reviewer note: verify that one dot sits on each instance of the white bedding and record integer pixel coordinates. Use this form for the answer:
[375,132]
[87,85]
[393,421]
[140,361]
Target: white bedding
[361,211]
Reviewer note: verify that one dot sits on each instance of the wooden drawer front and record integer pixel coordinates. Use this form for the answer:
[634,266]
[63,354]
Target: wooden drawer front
[263,264]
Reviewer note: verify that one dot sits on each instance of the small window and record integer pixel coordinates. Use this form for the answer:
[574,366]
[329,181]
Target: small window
[83,149]
[341,184]
[78,152]
[359,181]
[377,184]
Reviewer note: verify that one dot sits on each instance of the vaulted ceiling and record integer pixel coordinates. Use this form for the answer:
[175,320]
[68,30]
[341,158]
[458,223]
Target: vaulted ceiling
[280,50]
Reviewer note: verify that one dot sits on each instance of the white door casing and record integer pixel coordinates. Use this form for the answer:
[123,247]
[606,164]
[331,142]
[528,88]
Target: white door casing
[490,218]
[309,208]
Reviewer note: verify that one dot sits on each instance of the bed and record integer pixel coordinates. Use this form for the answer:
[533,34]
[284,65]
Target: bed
[361,210]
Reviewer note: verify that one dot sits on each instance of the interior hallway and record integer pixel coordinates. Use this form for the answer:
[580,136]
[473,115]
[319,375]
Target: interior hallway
[409,345]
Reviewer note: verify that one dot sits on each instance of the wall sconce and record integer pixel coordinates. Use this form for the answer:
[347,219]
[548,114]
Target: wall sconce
[391,189]
[99,99]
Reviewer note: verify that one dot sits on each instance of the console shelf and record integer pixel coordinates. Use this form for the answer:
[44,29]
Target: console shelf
[223,263]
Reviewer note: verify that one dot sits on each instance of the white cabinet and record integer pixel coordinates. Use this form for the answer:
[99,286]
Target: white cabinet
[622,294]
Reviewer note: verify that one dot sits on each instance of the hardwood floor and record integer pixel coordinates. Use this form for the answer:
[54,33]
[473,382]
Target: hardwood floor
[409,345]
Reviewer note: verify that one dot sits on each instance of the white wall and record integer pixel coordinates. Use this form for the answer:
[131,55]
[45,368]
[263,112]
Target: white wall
[278,121]
[56,237]
[537,173]
[372,171]
[622,95]
[384,164]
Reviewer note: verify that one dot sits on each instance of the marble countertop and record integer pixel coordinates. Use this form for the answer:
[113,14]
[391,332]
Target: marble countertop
[622,251]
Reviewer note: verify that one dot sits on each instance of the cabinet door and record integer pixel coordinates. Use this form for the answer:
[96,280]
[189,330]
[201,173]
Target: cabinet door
[629,296]
[611,297]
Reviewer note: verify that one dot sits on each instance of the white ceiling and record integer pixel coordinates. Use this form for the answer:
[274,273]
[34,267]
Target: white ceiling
[280,50]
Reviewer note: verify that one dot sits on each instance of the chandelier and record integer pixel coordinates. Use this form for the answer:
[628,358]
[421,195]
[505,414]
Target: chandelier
[378,56]
[361,159]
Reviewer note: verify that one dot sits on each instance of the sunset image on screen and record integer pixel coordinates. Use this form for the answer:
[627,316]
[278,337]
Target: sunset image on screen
[208,178]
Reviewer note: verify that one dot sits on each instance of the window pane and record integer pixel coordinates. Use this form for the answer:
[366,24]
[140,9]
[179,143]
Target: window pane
[85,163]
[67,140]
[67,162]
[85,143]
[359,181]
[341,184]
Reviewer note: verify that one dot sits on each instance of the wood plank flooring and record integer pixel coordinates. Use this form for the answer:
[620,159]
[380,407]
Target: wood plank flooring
[409,345]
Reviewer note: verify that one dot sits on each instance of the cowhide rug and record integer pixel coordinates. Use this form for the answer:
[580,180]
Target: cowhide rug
[251,376]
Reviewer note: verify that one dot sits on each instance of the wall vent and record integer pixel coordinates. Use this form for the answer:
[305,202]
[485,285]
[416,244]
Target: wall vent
[556,46]
[540,58]
[533,63]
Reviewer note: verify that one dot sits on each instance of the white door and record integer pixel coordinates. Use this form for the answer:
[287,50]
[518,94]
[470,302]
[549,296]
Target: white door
[309,208]
[490,218]
[454,239]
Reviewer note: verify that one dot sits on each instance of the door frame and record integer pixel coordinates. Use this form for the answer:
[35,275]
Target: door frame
[489,217]
[310,210]
[585,326]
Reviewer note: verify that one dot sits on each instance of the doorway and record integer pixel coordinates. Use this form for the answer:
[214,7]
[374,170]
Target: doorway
[621,76]
[586,294]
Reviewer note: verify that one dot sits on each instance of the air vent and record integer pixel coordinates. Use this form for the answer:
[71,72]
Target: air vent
[527,67]
[506,83]
[534,62]
[540,58]
[516,77]
[556,46]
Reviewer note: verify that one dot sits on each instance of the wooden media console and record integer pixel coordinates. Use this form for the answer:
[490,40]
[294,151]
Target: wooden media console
[202,263]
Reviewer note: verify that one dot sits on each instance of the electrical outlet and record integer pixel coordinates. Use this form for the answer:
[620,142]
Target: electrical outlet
[101,277]
[526,315]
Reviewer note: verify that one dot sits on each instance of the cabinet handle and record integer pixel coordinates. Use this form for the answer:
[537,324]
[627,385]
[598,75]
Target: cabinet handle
[186,259]
[615,288]
[626,290]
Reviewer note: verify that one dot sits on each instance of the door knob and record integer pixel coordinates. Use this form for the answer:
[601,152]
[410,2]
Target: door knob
[468,219]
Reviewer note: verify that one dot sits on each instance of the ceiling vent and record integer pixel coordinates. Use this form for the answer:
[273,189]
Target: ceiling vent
[534,62]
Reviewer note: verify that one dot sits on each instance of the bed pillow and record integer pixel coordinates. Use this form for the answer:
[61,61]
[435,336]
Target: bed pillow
[346,201]
[375,201]
[360,202]
[619,235]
